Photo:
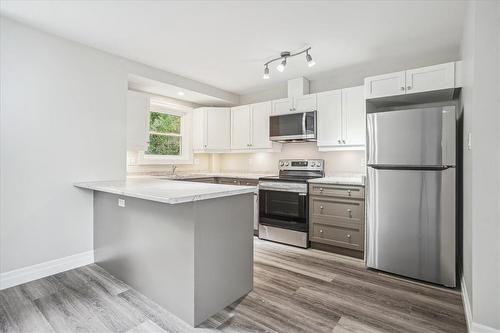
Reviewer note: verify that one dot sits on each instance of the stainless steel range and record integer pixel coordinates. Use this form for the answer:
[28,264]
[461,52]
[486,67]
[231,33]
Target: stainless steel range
[284,202]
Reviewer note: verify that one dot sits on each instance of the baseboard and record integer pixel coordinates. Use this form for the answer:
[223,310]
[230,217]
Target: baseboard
[38,271]
[473,327]
[466,302]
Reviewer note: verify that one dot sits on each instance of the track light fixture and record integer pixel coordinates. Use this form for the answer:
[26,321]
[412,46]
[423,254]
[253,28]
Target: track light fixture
[283,56]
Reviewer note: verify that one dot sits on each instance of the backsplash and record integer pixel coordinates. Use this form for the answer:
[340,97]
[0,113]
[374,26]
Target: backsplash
[337,162]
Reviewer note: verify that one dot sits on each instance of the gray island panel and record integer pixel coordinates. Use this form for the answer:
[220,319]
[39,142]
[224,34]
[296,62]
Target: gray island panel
[192,258]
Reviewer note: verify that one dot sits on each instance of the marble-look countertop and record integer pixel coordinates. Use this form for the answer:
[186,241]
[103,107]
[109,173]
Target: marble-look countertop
[182,175]
[356,179]
[166,191]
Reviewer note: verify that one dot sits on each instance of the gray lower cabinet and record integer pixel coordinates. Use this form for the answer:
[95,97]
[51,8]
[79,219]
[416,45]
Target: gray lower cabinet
[337,216]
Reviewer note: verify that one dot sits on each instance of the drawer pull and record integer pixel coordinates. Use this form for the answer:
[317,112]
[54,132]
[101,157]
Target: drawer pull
[349,236]
[349,192]
[320,231]
[350,213]
[321,207]
[321,189]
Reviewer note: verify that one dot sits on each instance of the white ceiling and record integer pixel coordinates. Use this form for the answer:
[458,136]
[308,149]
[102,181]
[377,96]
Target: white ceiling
[225,43]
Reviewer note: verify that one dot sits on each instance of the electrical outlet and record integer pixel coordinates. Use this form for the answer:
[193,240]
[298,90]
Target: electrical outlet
[121,202]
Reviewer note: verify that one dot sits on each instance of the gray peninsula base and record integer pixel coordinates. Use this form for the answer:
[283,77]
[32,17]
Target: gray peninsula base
[192,258]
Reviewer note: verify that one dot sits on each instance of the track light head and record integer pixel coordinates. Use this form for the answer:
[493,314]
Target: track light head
[309,59]
[266,73]
[281,66]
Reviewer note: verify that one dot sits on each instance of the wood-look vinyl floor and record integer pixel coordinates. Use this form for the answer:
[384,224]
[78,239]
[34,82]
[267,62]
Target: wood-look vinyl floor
[295,290]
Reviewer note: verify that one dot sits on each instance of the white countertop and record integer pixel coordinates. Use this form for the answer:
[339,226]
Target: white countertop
[181,175]
[356,179]
[166,191]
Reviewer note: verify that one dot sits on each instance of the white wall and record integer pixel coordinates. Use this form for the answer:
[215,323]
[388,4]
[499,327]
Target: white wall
[481,104]
[62,120]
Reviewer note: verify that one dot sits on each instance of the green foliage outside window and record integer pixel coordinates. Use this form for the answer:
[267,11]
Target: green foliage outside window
[164,134]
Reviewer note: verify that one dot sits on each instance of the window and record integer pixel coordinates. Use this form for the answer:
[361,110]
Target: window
[169,135]
[164,134]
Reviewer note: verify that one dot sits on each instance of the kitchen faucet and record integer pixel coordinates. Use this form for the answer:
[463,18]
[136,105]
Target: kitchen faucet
[174,167]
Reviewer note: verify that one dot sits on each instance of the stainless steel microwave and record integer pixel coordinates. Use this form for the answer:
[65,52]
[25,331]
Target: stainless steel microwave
[293,127]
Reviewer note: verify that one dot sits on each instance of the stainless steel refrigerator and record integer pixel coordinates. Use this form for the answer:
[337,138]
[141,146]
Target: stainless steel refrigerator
[410,203]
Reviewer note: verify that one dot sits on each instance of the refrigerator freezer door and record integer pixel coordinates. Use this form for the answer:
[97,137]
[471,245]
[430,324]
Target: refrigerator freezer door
[416,137]
[410,226]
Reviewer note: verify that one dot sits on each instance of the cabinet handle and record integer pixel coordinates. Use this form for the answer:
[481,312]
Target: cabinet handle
[402,88]
[321,207]
[343,141]
[320,231]
[350,213]
[349,236]
[349,192]
[339,141]
[321,189]
[409,87]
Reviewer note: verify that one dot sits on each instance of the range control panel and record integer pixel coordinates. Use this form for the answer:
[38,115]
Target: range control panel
[291,164]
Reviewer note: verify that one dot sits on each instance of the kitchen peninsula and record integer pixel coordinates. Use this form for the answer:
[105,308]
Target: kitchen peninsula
[186,245]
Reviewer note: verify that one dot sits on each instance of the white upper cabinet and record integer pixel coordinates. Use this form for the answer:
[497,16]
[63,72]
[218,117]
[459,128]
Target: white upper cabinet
[411,81]
[137,121]
[240,127]
[329,121]
[250,126]
[391,84]
[295,104]
[430,78]
[260,113]
[212,129]
[282,106]
[341,119]
[353,116]
[304,103]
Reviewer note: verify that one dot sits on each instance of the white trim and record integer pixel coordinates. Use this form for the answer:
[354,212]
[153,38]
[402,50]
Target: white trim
[38,271]
[478,328]
[466,303]
[473,327]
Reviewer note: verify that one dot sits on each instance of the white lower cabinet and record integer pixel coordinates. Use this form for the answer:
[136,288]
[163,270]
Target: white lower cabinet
[211,129]
[341,119]
[138,107]
[250,127]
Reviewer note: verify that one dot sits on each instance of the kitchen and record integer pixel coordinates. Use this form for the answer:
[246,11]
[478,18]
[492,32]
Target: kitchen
[287,191]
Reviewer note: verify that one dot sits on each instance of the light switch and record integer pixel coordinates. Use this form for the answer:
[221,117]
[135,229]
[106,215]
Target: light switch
[121,202]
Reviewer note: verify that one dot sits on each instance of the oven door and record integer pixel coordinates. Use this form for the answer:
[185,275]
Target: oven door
[283,209]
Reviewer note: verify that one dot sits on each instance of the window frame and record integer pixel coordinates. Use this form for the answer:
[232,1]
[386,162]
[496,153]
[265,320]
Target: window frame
[186,155]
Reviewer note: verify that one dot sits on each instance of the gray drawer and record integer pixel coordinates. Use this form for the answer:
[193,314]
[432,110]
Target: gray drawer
[352,238]
[228,181]
[333,208]
[249,182]
[345,191]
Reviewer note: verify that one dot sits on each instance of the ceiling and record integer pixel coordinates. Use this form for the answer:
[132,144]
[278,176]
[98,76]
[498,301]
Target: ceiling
[225,43]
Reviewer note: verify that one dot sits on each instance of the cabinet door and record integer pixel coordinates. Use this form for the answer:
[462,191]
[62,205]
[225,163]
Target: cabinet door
[354,116]
[385,85]
[304,103]
[260,113]
[329,122]
[137,121]
[282,106]
[430,78]
[218,127]
[240,127]
[199,129]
